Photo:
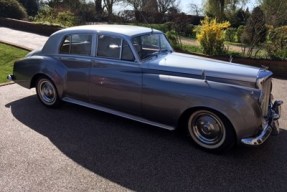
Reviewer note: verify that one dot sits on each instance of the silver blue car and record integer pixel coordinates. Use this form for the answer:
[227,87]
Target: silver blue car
[133,72]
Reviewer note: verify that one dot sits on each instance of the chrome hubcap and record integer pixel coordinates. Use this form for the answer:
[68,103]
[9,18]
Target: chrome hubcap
[206,129]
[47,92]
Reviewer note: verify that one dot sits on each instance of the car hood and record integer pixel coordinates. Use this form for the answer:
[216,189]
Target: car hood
[209,69]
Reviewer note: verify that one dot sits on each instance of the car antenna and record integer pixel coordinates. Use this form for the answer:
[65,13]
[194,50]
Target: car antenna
[145,20]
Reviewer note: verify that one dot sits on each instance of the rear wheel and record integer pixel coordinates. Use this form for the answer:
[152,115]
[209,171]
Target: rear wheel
[47,92]
[210,131]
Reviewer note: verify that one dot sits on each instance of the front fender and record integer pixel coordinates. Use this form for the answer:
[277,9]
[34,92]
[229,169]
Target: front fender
[237,103]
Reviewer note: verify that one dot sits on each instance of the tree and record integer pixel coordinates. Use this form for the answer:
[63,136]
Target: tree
[218,8]
[72,5]
[237,18]
[150,6]
[215,8]
[136,4]
[144,10]
[275,11]
[195,9]
[255,30]
[12,9]
[164,5]
[31,6]
[277,44]
[109,4]
[99,7]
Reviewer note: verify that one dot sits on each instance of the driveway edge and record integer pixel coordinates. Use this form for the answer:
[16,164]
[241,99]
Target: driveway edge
[17,46]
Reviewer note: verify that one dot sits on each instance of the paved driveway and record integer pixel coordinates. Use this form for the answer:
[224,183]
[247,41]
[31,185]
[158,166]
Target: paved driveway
[23,39]
[77,149]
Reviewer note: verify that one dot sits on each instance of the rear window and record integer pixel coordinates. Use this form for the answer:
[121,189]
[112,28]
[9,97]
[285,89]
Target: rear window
[76,44]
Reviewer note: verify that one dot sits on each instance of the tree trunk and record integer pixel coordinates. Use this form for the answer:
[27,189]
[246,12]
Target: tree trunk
[99,8]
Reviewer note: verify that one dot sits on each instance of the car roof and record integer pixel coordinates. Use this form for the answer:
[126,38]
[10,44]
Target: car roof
[127,30]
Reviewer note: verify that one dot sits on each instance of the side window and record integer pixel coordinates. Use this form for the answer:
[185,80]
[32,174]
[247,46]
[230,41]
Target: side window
[65,47]
[127,53]
[109,47]
[77,44]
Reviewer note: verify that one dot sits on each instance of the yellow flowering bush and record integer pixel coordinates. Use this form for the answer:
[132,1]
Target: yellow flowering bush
[211,36]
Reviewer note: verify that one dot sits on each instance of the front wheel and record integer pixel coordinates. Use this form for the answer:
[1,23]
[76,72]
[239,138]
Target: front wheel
[47,92]
[210,131]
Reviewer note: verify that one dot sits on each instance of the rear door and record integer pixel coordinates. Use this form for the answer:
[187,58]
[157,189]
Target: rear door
[75,53]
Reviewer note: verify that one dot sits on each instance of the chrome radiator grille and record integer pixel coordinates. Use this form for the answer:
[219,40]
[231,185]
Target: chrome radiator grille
[266,88]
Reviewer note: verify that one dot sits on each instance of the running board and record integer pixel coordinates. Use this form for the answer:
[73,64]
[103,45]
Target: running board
[117,113]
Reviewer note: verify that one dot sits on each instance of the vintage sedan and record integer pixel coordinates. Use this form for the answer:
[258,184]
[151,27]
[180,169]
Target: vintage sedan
[133,72]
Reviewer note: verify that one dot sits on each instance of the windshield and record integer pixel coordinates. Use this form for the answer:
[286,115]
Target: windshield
[150,44]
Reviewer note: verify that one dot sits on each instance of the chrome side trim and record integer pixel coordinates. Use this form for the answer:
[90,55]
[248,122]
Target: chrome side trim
[117,113]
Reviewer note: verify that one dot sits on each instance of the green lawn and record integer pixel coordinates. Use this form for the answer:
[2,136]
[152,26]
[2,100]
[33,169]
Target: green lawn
[8,55]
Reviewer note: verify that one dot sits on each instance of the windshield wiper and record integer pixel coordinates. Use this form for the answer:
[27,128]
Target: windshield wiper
[155,53]
[150,55]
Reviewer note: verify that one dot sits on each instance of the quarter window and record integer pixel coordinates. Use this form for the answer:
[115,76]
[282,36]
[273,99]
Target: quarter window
[77,44]
[127,53]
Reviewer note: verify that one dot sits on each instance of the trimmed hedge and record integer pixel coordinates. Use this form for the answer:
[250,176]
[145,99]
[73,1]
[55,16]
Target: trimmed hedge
[12,9]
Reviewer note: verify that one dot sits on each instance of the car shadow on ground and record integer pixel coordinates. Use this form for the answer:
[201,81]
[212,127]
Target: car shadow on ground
[144,158]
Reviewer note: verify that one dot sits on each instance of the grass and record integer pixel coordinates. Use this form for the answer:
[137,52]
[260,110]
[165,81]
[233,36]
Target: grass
[8,55]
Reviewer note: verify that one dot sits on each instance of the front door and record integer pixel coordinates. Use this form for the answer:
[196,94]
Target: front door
[116,79]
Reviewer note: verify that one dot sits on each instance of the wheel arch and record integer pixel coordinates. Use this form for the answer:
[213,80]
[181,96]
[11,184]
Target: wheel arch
[185,115]
[55,81]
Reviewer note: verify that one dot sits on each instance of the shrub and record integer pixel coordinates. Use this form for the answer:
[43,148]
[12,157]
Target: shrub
[210,36]
[12,9]
[174,39]
[239,32]
[66,18]
[31,6]
[188,31]
[169,26]
[48,15]
[255,31]
[230,34]
[277,45]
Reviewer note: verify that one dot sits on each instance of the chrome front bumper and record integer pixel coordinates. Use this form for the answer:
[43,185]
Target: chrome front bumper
[270,126]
